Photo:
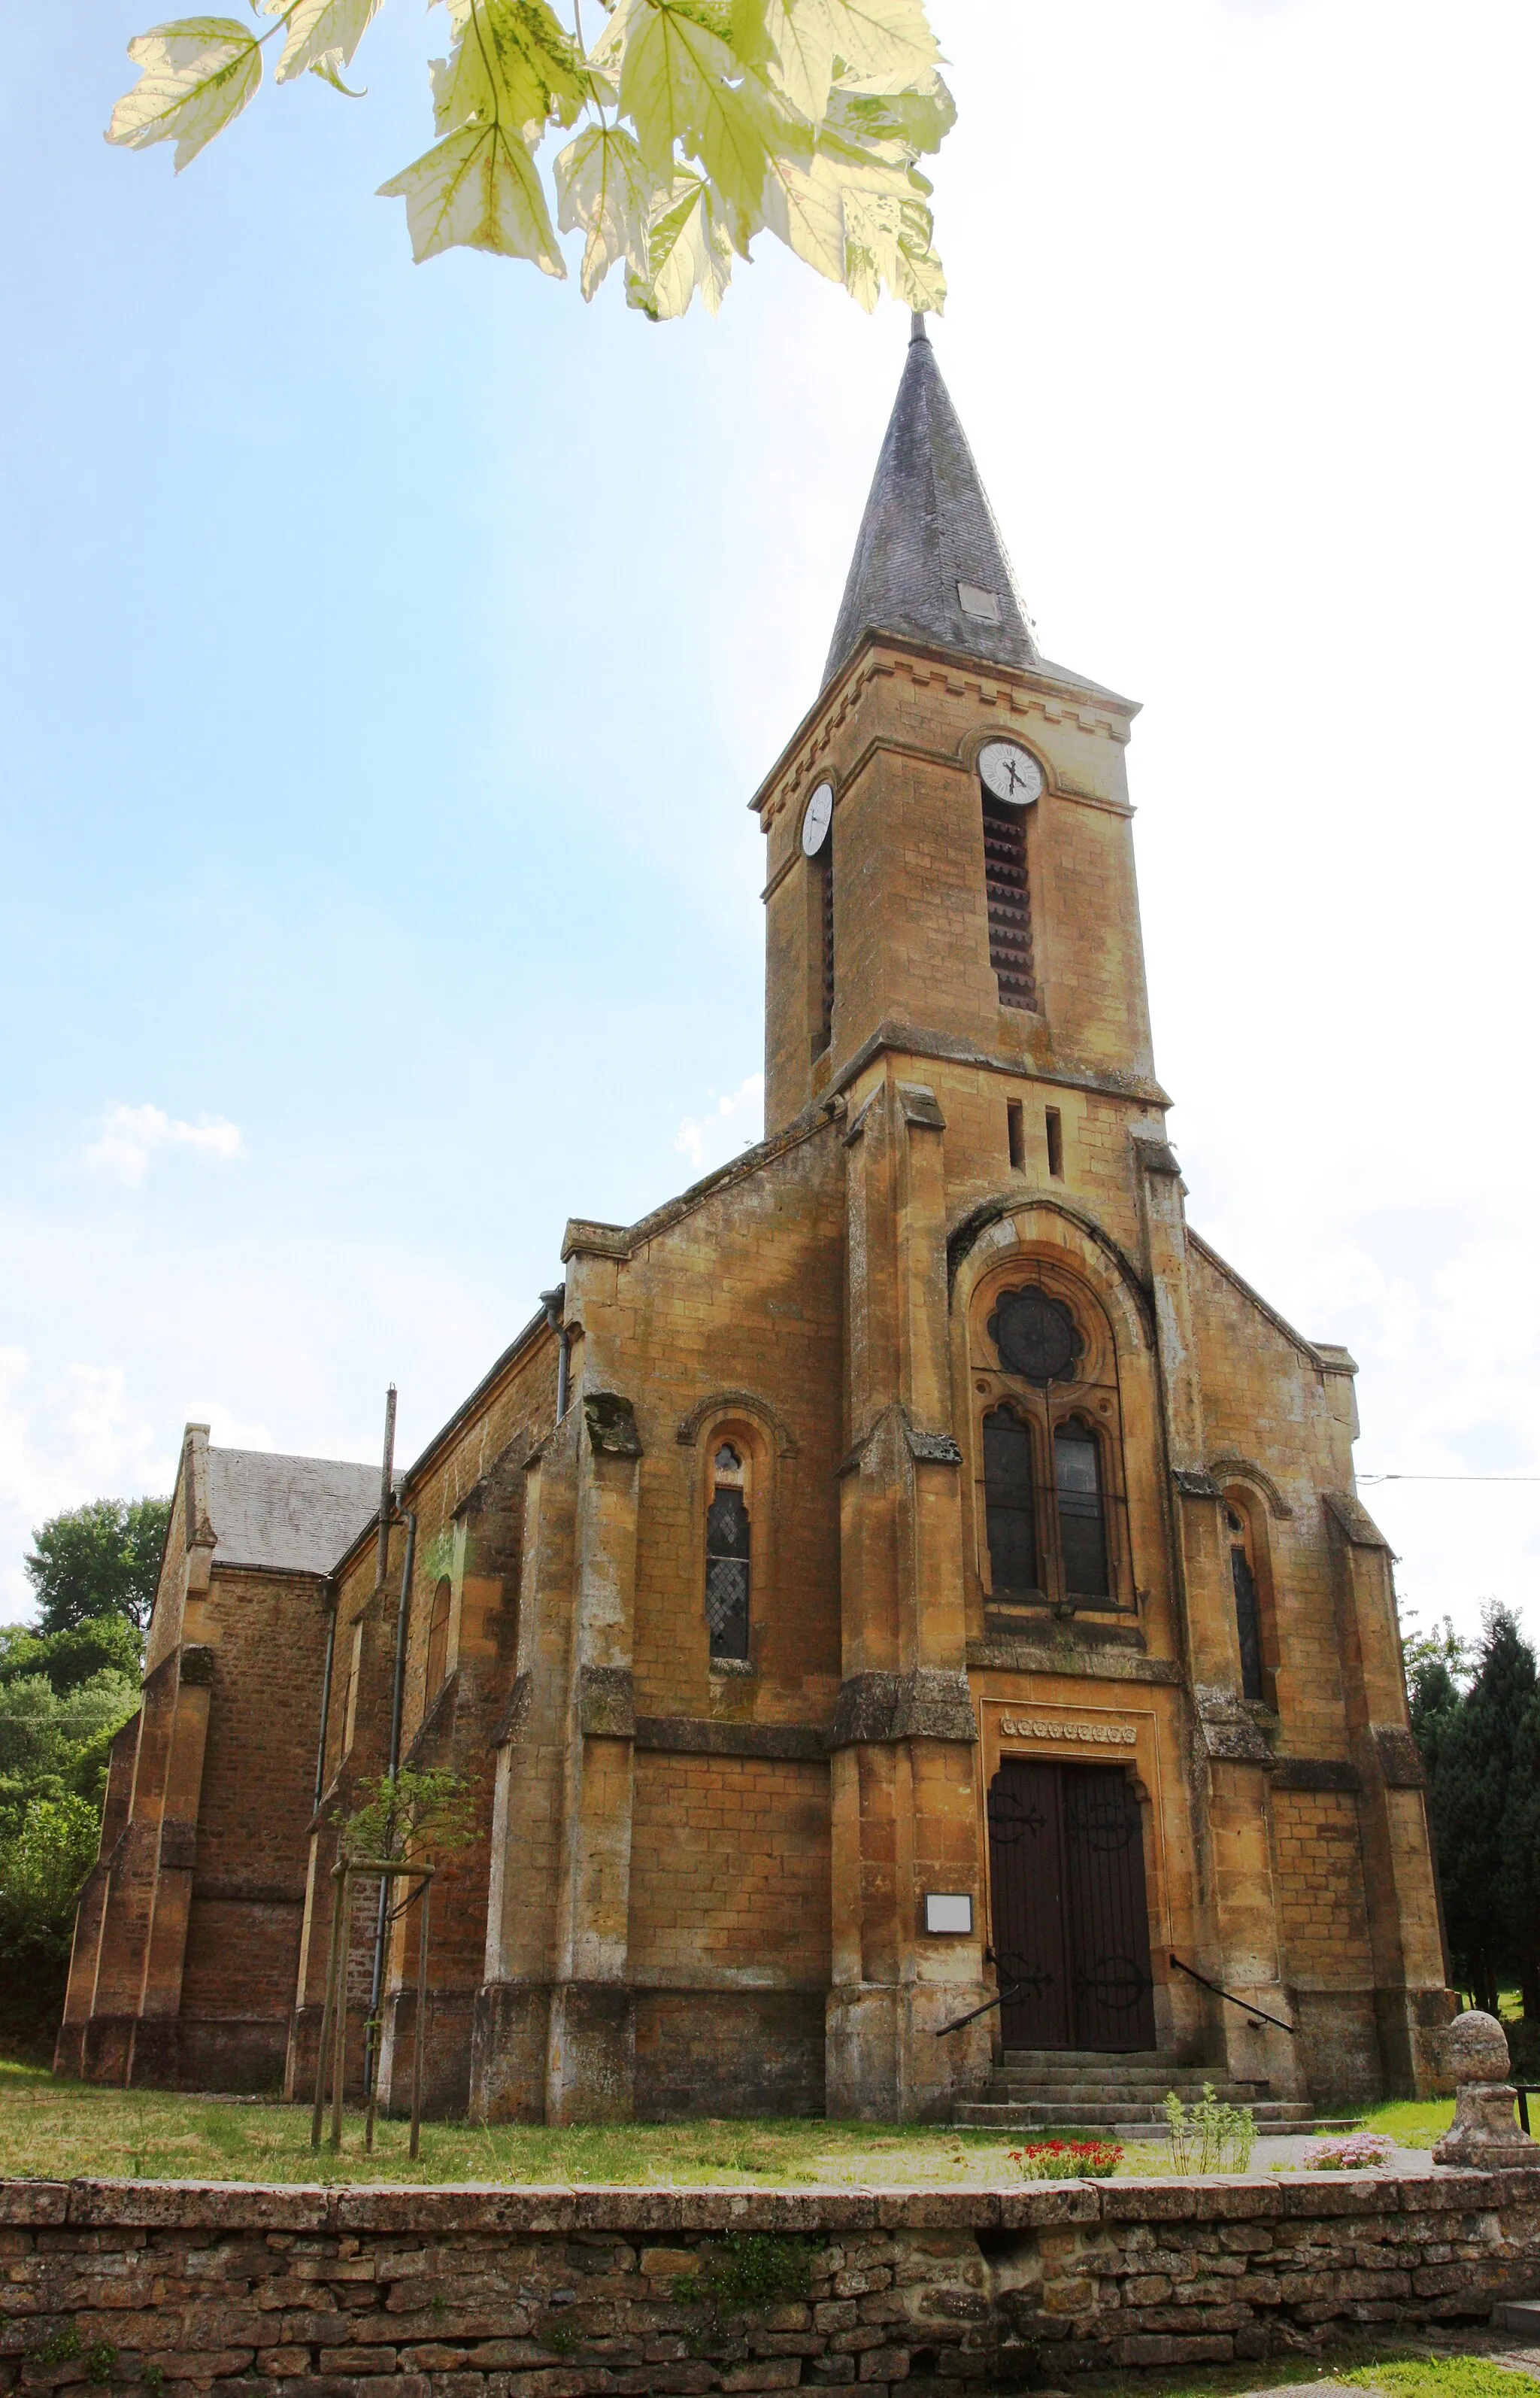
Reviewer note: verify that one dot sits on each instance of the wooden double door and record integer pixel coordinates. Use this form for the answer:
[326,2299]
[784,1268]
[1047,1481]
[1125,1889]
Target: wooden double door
[1071,1923]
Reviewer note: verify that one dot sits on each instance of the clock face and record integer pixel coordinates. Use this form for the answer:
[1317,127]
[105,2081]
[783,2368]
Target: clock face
[1009,771]
[817,820]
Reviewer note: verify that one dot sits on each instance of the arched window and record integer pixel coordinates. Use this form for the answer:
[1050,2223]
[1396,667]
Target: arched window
[1248,1607]
[438,1641]
[1010,1503]
[1082,1529]
[728,1556]
[1009,906]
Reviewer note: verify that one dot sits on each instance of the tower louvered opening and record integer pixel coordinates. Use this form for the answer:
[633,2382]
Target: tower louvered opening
[827,901]
[1010,910]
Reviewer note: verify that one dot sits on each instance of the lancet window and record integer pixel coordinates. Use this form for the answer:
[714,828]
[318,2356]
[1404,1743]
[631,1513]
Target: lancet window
[439,1640]
[1082,1522]
[825,869]
[1010,1504]
[728,1556]
[1247,1602]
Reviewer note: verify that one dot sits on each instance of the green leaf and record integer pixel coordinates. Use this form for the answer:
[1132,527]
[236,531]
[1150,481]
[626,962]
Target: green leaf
[689,252]
[890,239]
[919,119]
[805,207]
[321,35]
[198,73]
[669,66]
[886,42]
[604,187]
[512,61]
[479,189]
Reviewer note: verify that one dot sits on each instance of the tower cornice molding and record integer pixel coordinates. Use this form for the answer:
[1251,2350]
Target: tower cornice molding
[891,1038]
[1044,691]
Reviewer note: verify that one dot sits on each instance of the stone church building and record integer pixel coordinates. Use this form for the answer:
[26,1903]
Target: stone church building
[908,1570]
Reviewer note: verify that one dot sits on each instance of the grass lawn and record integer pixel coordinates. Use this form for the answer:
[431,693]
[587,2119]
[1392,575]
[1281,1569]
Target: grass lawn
[1455,2368]
[56,2130]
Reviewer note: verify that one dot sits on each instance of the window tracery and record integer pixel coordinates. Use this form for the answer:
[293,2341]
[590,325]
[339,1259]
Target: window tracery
[1049,1449]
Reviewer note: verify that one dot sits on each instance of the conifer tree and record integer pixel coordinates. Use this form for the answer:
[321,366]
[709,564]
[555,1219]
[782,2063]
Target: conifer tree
[1475,1775]
[1519,1884]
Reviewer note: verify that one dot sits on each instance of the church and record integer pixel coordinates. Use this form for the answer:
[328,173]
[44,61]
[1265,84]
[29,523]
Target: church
[901,1610]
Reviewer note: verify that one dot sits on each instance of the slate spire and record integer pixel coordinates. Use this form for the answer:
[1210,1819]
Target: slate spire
[928,559]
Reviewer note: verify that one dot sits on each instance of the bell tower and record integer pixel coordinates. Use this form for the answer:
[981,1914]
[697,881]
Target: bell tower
[949,828]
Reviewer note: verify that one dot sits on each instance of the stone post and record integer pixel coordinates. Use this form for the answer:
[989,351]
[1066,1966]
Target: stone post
[1484,2134]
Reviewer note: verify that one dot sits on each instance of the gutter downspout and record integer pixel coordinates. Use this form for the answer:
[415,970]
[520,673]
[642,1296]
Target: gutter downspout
[330,1589]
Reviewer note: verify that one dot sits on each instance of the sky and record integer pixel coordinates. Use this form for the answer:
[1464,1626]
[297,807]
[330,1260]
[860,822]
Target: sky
[390,653]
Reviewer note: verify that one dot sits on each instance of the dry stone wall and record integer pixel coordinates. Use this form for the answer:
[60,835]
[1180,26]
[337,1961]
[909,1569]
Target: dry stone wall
[404,2293]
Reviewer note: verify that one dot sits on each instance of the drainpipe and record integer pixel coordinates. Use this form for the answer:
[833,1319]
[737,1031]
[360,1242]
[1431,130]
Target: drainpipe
[330,1588]
[555,1303]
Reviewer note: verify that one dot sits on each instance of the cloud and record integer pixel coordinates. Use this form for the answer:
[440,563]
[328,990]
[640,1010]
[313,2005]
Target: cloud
[131,1136]
[736,1123]
[75,1436]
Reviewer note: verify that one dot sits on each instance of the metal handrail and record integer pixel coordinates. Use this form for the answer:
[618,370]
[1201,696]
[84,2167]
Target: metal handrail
[1246,2005]
[1001,1998]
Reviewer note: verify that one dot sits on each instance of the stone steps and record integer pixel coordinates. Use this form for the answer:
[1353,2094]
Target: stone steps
[1048,2086]
[1120,2095]
[1127,2120]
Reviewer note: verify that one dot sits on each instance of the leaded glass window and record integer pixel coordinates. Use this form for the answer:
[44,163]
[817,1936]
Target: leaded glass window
[1082,1529]
[728,1558]
[1009,1500]
[1248,1613]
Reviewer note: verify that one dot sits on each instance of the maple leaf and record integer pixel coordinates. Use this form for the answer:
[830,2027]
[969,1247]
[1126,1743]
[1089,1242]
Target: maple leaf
[885,39]
[604,187]
[805,117]
[689,251]
[198,73]
[321,35]
[512,61]
[479,189]
[683,87]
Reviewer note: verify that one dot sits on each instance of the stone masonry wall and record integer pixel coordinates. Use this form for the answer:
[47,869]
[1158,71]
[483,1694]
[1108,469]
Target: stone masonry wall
[580,2293]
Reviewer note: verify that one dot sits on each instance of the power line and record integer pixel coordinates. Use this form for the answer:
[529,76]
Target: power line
[1447,1477]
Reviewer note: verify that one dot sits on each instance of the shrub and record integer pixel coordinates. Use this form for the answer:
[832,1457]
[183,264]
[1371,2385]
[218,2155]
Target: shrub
[1067,2160]
[1210,2138]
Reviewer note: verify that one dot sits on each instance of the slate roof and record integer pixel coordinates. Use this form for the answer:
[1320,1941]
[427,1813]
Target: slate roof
[295,1514]
[929,528]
